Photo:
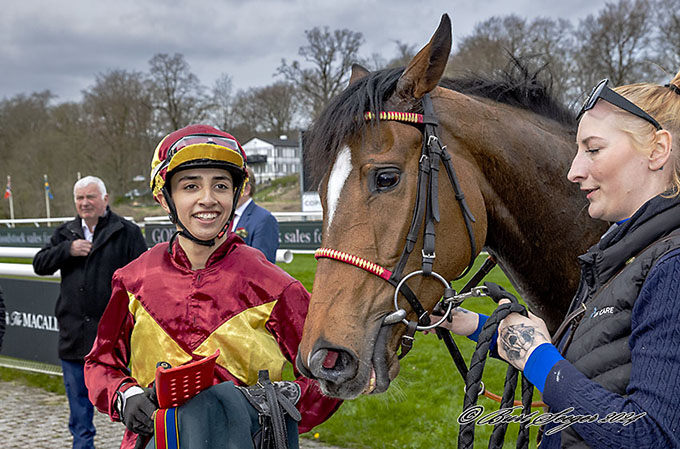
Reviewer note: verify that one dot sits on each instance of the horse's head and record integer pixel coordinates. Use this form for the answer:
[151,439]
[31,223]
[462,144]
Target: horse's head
[368,191]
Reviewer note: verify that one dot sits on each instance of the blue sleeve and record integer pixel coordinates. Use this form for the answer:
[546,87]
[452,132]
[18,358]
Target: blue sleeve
[540,363]
[475,335]
[653,393]
[266,235]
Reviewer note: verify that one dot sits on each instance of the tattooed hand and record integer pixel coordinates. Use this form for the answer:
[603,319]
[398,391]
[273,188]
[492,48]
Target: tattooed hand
[463,321]
[518,336]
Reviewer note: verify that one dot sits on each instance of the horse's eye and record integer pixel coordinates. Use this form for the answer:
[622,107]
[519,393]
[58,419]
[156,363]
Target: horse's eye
[386,180]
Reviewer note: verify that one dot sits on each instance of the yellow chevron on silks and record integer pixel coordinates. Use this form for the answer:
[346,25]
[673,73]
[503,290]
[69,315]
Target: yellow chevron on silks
[150,344]
[245,345]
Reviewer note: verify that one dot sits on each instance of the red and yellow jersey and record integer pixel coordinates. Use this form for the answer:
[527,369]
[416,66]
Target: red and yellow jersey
[162,310]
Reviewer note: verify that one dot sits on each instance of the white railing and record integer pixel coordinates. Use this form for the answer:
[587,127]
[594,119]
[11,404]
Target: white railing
[24,270]
[34,221]
[18,269]
[280,216]
[37,222]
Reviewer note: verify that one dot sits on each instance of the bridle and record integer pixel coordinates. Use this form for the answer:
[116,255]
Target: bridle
[433,153]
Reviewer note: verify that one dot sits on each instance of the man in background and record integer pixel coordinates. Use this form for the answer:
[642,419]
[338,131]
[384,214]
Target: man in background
[87,250]
[255,224]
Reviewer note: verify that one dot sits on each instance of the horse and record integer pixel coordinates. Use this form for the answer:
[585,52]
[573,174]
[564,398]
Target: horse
[511,145]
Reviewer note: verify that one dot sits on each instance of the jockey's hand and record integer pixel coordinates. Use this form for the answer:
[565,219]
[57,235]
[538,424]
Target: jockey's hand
[138,412]
[462,322]
[518,336]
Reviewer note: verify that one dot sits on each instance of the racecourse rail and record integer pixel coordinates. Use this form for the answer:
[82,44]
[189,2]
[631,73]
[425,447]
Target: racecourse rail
[32,329]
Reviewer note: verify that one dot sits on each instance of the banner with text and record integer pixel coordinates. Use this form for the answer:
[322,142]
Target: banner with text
[31,332]
[293,235]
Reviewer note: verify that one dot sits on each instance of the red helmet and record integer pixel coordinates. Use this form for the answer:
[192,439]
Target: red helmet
[197,146]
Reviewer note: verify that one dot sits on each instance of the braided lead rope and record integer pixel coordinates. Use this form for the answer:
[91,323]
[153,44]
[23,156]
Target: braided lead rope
[474,379]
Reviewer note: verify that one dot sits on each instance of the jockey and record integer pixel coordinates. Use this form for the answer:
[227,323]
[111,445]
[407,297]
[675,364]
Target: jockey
[203,291]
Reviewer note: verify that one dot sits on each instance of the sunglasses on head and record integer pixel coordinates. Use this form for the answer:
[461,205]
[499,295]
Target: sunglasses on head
[602,91]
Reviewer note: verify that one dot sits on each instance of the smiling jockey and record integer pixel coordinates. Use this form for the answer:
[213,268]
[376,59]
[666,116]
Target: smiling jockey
[203,291]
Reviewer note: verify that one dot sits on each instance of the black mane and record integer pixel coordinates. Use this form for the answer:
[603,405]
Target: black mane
[339,121]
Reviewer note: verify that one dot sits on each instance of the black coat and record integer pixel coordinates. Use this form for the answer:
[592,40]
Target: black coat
[86,281]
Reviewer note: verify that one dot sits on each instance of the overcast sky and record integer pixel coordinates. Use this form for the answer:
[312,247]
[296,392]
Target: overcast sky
[62,45]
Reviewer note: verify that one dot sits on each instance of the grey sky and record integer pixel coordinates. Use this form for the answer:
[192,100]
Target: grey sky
[62,45]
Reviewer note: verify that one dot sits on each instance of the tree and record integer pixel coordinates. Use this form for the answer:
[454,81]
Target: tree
[276,107]
[615,44]
[223,103]
[330,56]
[668,38]
[177,92]
[120,117]
[26,150]
[542,43]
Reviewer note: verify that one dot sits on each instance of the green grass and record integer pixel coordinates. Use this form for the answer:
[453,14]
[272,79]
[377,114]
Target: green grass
[421,406]
[270,192]
[54,384]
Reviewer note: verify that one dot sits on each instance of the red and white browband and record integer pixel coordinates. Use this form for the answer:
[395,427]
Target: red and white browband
[358,262]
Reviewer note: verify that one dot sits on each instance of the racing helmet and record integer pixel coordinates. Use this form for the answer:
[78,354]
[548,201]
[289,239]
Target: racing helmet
[196,146]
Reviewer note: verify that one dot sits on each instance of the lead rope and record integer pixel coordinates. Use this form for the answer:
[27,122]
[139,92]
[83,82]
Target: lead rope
[473,385]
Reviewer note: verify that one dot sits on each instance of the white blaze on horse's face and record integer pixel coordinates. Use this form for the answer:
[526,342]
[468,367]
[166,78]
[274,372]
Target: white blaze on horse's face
[336,181]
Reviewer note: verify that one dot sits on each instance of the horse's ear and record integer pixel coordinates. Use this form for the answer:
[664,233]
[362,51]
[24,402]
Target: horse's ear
[358,72]
[427,67]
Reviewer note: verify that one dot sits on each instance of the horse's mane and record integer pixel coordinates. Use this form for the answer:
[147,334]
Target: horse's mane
[516,86]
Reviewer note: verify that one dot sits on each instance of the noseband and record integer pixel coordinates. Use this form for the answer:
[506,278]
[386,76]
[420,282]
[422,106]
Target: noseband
[433,153]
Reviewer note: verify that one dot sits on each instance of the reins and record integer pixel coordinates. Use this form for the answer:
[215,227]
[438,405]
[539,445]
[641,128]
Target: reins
[426,209]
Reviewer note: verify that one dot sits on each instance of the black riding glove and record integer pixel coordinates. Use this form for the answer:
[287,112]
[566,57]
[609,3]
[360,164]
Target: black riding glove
[496,292]
[138,411]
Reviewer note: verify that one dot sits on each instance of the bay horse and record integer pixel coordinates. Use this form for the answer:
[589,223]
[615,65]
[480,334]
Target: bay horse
[511,145]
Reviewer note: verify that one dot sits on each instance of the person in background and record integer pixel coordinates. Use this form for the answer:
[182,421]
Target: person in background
[202,291]
[255,224]
[87,251]
[616,356]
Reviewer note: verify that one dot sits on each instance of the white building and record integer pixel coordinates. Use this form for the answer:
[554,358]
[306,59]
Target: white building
[282,157]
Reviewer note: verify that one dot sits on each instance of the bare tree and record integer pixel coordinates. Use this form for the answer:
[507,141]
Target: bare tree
[277,106]
[120,121]
[542,44]
[25,150]
[223,101]
[615,44]
[177,92]
[329,56]
[668,38]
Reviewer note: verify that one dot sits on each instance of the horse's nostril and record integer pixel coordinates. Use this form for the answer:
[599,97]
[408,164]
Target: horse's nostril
[333,365]
[331,358]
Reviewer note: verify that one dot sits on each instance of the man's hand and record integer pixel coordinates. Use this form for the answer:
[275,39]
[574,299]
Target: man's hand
[138,412]
[518,336]
[80,248]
